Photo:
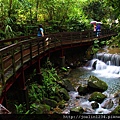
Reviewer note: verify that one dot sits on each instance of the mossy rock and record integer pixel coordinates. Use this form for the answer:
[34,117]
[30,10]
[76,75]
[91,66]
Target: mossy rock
[50,102]
[116,110]
[64,94]
[76,110]
[65,83]
[96,84]
[82,89]
[97,96]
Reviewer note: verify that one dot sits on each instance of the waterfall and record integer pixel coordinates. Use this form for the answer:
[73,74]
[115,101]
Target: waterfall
[105,64]
[112,59]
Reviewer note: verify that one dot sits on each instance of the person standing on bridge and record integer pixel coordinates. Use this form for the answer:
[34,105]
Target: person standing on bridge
[41,34]
[40,31]
[98,28]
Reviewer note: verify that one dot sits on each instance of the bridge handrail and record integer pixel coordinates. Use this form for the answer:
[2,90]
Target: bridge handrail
[21,38]
[15,55]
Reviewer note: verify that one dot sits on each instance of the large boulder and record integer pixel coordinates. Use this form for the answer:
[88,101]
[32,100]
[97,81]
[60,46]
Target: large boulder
[96,84]
[97,96]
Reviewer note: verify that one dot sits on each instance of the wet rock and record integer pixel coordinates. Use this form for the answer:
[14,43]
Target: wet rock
[117,94]
[94,65]
[88,109]
[82,89]
[50,102]
[107,104]
[96,84]
[116,110]
[65,83]
[94,105]
[97,96]
[119,101]
[78,97]
[76,110]
[68,85]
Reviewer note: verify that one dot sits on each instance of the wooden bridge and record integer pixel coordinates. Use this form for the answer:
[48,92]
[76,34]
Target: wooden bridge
[18,54]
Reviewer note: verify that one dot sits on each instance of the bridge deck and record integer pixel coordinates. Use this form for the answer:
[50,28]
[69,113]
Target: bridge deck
[21,52]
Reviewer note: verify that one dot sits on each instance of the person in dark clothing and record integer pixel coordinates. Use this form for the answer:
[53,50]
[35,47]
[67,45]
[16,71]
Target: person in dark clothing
[98,29]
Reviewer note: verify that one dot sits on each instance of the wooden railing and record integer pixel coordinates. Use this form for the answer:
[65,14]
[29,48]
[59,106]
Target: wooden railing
[21,50]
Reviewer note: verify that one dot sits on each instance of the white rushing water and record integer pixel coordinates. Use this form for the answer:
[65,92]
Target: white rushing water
[102,69]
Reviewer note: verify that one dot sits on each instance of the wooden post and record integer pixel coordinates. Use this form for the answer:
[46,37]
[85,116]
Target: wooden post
[2,70]
[30,50]
[62,58]
[63,61]
[38,66]
[21,51]
[23,91]
[5,99]
[13,61]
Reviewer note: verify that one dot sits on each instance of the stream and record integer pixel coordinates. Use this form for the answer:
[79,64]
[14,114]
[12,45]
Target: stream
[103,71]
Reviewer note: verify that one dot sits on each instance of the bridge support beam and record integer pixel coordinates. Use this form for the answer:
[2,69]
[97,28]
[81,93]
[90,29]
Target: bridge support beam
[4,102]
[62,61]
[38,66]
[62,58]
[23,91]
[24,97]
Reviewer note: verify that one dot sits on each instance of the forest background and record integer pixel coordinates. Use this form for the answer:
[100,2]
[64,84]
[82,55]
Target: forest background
[21,17]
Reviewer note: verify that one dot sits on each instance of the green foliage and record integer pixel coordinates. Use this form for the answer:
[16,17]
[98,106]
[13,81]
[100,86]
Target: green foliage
[20,109]
[49,80]
[36,92]
[9,32]
[114,41]
[96,9]
[64,69]
[35,108]
[95,46]
[55,15]
[33,74]
[114,4]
